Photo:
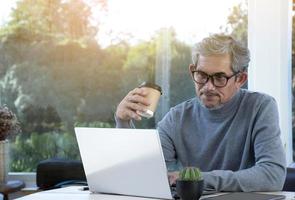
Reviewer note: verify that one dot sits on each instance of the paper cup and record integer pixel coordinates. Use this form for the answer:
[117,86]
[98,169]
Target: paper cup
[154,93]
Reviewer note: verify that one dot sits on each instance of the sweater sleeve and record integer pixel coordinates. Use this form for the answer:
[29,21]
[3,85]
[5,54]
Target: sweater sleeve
[123,124]
[165,128]
[269,171]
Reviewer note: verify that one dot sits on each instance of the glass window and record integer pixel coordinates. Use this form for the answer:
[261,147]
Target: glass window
[69,63]
[293,78]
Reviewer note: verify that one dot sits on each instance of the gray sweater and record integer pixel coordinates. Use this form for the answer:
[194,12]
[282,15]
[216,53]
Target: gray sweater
[237,146]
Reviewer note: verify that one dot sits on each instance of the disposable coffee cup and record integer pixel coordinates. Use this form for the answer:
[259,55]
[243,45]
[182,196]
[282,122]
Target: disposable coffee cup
[154,93]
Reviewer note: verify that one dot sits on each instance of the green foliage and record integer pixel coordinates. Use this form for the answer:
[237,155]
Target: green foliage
[140,61]
[26,153]
[52,18]
[190,174]
[182,82]
[95,124]
[54,73]
[293,44]
[237,22]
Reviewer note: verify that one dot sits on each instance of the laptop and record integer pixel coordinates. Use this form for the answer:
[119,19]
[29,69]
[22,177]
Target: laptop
[124,161]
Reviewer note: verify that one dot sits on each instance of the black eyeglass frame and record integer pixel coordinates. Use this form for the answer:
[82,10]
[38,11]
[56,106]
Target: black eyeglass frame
[212,78]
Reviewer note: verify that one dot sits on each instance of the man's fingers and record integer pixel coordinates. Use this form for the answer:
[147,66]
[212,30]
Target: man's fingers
[134,115]
[138,99]
[135,107]
[133,103]
[173,176]
[138,91]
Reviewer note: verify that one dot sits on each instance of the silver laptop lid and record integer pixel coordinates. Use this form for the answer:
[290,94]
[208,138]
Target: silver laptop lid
[124,161]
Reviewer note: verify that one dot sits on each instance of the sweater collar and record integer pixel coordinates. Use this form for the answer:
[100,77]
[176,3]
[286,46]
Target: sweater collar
[223,110]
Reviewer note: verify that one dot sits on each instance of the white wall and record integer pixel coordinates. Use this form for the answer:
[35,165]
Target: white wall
[269,39]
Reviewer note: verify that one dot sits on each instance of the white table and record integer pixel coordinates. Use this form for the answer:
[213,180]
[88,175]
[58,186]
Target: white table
[76,193]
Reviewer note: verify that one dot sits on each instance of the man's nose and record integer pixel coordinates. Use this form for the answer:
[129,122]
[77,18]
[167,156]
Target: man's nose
[209,85]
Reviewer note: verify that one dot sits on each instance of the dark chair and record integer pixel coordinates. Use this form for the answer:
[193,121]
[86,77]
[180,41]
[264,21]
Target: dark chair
[56,173]
[290,180]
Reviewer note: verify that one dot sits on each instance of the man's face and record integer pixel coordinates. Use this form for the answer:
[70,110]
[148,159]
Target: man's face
[210,95]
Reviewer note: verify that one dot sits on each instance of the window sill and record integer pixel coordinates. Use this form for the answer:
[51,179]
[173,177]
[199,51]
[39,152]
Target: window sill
[29,178]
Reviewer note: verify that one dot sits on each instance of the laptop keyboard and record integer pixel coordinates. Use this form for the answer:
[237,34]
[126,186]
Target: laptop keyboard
[173,192]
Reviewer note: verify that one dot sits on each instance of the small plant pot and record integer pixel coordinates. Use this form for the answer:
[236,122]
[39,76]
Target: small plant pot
[189,190]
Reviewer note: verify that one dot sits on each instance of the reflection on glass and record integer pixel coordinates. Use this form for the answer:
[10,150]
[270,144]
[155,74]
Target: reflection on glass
[70,62]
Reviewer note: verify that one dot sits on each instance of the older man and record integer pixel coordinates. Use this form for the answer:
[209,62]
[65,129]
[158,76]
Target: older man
[231,134]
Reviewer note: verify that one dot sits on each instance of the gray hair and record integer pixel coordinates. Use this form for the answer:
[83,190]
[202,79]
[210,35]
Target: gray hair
[219,44]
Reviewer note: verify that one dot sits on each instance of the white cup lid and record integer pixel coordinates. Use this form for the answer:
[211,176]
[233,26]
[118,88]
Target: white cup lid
[147,114]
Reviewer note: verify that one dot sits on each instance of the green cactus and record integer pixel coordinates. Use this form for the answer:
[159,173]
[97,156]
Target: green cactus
[190,174]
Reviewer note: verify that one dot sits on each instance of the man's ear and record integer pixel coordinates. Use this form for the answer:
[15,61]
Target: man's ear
[192,67]
[242,78]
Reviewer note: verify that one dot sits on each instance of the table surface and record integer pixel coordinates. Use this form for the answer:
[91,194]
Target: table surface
[76,193]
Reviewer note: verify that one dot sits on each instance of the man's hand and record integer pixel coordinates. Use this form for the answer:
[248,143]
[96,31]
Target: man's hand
[172,177]
[133,103]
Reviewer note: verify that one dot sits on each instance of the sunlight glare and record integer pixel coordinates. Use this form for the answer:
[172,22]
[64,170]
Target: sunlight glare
[139,19]
[192,19]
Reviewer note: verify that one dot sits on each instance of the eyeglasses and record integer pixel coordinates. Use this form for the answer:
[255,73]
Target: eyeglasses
[218,79]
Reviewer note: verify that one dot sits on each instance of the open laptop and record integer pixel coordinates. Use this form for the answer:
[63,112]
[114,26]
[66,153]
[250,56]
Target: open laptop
[124,161]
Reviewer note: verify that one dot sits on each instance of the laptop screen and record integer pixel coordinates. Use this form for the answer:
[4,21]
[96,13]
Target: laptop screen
[124,161]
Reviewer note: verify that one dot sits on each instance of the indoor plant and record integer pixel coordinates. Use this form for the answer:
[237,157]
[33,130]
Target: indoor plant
[9,126]
[189,185]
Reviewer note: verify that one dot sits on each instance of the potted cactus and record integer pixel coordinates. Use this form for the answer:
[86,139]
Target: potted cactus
[189,185]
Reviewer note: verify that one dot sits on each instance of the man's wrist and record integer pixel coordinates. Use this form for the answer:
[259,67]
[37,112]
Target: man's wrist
[123,123]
